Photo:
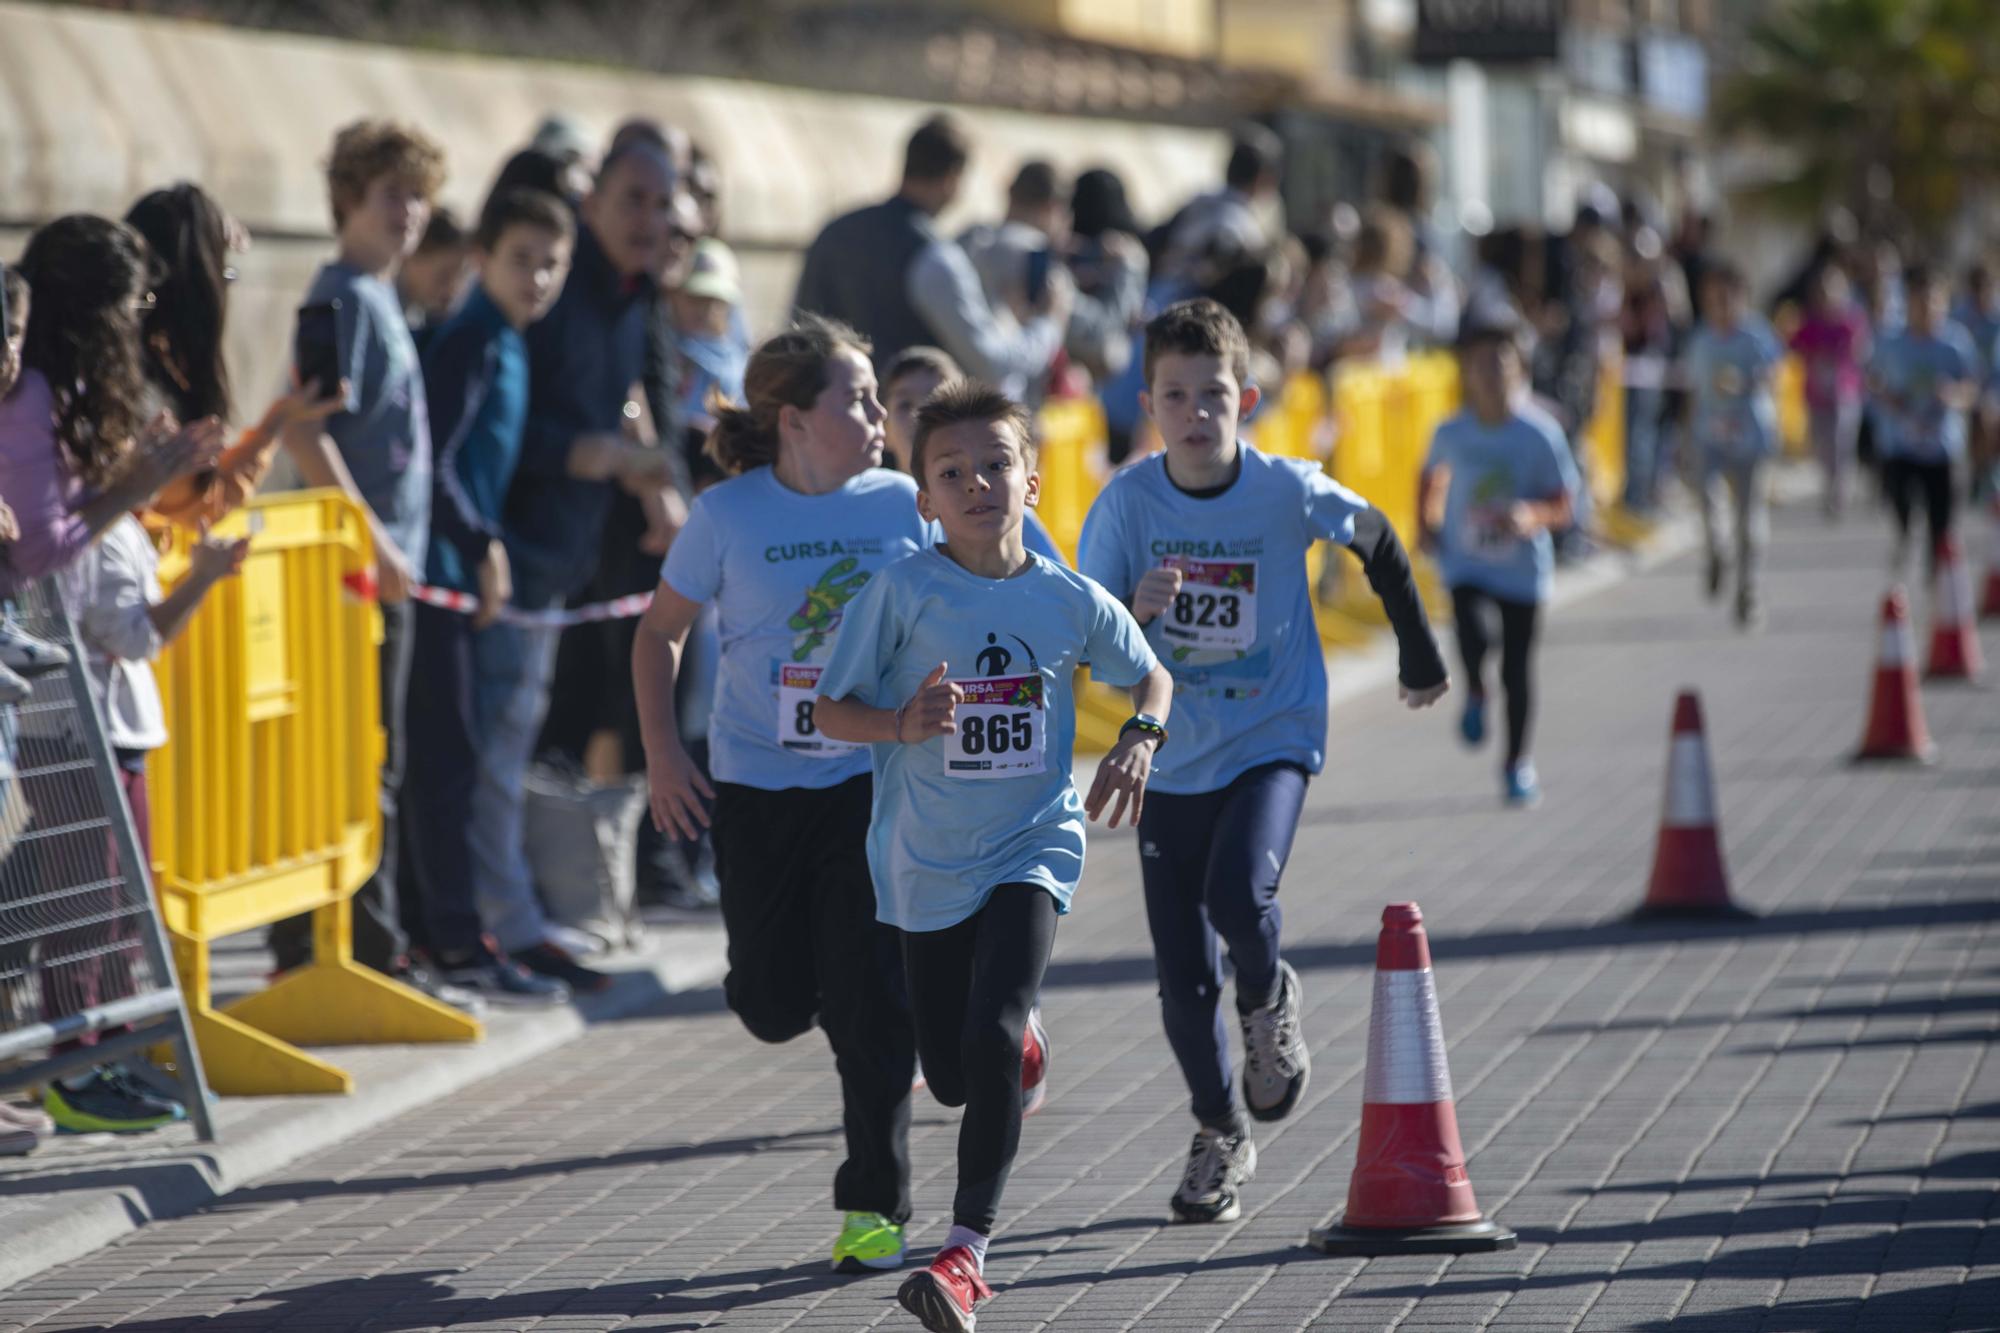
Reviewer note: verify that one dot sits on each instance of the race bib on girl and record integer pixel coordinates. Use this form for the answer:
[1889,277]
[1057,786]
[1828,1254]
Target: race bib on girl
[1002,729]
[1216,606]
[1484,535]
[798,691]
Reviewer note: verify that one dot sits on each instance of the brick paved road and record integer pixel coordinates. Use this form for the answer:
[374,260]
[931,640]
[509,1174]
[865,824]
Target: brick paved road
[1791,1125]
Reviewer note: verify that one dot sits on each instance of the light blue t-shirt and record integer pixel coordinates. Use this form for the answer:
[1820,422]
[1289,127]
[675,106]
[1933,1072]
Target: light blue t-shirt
[956,817]
[383,430]
[1240,640]
[1913,367]
[1525,457]
[783,569]
[1729,375]
[1982,325]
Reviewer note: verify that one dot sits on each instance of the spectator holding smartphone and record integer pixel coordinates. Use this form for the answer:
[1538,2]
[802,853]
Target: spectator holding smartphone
[381,178]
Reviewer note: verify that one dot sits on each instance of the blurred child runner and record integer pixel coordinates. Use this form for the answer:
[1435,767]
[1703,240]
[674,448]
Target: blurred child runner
[1207,542]
[380,178]
[956,667]
[476,374]
[1832,341]
[1731,361]
[916,374]
[807,520]
[1925,379]
[1498,480]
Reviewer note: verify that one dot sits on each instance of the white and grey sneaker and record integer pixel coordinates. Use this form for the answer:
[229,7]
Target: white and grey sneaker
[26,655]
[1276,1063]
[1218,1166]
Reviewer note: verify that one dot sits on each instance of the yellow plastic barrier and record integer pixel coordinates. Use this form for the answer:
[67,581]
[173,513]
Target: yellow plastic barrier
[265,800]
[1604,437]
[1791,395]
[1073,461]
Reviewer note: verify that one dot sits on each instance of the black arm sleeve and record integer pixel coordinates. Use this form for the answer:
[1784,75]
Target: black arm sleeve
[1387,566]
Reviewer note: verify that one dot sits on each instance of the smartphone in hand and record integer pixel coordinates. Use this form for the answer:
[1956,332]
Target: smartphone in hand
[316,347]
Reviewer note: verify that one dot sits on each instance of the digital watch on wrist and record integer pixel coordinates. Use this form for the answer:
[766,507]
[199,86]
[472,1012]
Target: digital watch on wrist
[1146,725]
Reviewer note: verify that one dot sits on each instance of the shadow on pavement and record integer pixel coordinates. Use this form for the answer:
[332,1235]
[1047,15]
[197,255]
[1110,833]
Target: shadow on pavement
[395,1301]
[293,1190]
[1614,934]
[1936,1005]
[1947,1306]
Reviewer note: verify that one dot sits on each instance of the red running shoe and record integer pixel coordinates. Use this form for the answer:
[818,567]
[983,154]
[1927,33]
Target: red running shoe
[943,1294]
[1034,1063]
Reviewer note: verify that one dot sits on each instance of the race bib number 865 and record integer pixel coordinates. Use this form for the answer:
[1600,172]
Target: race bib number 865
[1001,730]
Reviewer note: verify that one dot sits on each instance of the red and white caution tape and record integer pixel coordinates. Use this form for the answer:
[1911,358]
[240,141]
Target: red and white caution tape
[555,617]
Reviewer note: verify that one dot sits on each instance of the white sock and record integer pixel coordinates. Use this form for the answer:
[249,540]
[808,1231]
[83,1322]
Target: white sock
[971,1240]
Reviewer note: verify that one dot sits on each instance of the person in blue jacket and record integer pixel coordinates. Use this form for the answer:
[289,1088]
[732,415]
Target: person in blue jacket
[476,379]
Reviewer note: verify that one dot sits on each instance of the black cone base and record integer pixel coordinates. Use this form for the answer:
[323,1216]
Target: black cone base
[1723,911]
[1482,1237]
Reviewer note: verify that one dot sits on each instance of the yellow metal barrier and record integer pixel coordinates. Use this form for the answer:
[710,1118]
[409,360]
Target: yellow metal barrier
[1073,460]
[265,800]
[1791,395]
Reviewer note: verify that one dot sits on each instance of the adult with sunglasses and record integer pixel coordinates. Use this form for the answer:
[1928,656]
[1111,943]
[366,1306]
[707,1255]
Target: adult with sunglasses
[193,244]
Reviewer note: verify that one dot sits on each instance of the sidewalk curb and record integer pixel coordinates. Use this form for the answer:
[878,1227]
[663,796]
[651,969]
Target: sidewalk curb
[78,1222]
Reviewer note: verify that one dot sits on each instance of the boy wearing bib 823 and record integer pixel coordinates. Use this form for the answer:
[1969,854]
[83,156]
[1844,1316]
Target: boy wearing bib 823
[956,666]
[1208,542]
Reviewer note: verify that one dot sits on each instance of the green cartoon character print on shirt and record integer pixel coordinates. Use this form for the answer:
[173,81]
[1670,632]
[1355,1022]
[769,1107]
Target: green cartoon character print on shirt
[819,615]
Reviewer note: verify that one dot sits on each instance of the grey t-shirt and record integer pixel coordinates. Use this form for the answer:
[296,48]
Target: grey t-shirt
[384,435]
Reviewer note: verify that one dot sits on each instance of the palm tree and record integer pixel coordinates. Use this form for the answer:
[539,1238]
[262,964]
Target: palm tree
[1889,107]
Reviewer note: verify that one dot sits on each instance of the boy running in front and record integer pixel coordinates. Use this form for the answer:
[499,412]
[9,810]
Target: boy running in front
[1208,541]
[955,666]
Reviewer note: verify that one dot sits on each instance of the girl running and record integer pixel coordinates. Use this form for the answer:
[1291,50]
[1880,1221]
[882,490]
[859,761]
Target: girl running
[807,519]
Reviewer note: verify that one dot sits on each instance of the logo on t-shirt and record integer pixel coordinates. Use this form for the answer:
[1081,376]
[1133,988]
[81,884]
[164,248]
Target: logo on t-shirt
[826,602]
[996,657]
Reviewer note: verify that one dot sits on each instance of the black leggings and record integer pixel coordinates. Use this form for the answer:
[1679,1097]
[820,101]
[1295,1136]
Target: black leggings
[1517,647]
[804,947]
[971,986]
[1902,478]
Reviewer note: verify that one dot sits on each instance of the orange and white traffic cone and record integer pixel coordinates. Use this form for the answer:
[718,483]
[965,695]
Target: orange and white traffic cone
[1689,878]
[1409,1193]
[1954,642]
[1895,727]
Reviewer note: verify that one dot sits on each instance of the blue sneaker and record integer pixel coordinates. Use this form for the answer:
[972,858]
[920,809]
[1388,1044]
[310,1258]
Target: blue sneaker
[1472,723]
[1523,790]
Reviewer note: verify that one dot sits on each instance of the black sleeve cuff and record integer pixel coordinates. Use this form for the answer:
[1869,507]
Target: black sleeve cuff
[1419,663]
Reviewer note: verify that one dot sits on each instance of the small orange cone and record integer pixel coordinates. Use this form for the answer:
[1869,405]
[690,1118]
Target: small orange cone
[1896,711]
[1954,643]
[1689,878]
[1409,1193]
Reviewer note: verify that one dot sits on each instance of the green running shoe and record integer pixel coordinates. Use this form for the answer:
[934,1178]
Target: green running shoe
[868,1242]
